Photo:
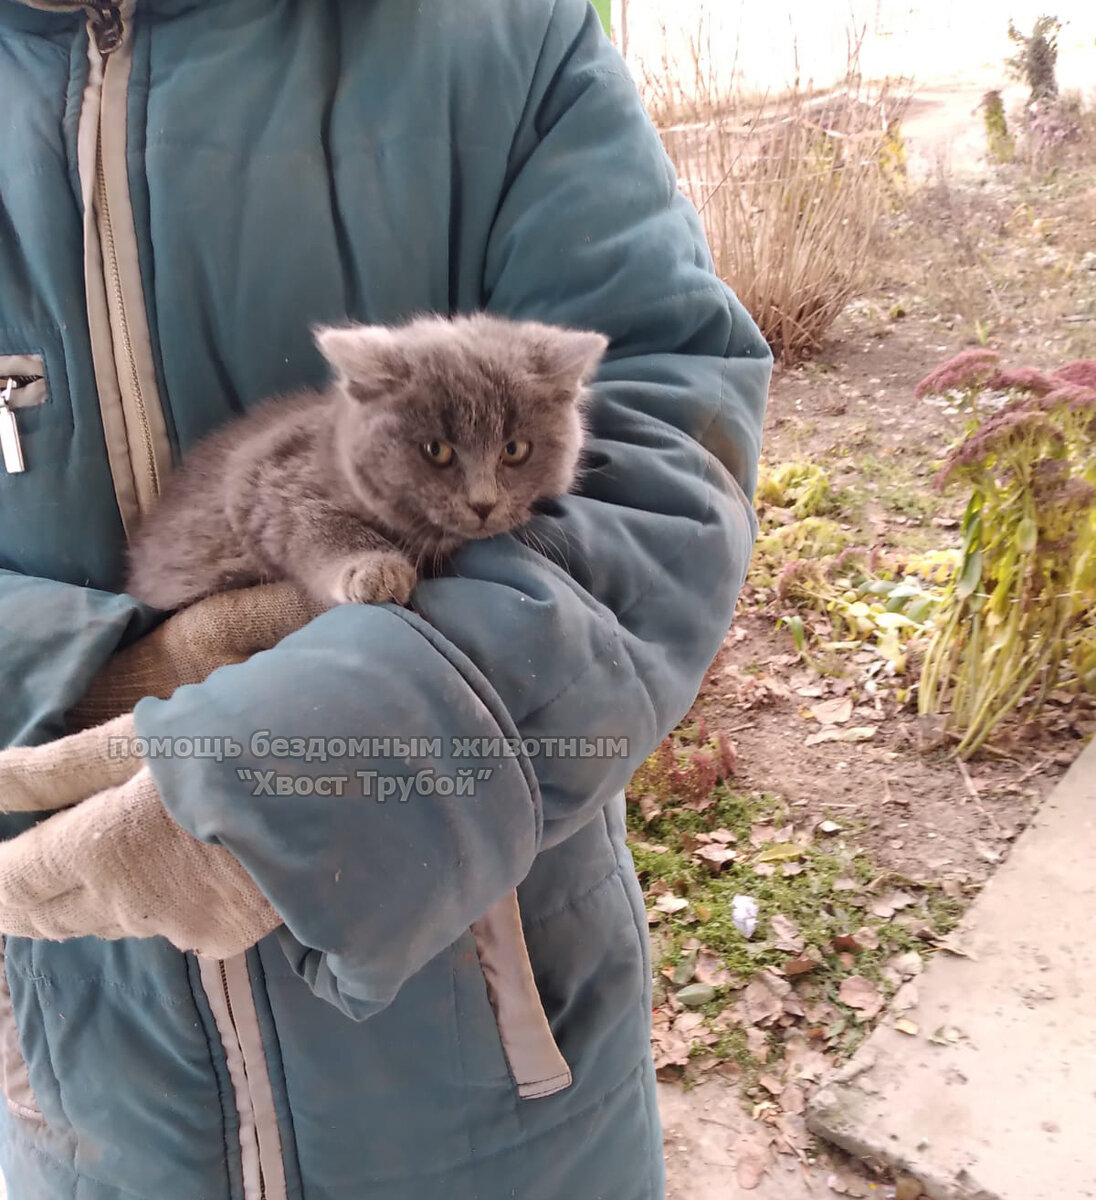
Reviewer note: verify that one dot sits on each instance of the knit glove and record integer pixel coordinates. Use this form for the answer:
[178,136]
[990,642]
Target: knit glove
[225,628]
[115,864]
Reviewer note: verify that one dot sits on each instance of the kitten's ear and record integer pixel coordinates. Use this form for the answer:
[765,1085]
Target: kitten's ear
[369,360]
[568,358]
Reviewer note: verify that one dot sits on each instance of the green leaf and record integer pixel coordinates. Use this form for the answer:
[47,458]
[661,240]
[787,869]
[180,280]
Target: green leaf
[798,631]
[781,852]
[919,610]
[1027,535]
[892,620]
[972,523]
[970,576]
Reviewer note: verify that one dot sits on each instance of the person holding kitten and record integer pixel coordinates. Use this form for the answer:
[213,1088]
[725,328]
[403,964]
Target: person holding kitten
[378,444]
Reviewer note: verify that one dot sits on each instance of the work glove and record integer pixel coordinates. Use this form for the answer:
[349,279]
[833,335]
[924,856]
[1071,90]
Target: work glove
[115,864]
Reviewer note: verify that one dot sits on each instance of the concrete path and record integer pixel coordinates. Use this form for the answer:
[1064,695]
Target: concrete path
[705,1131]
[994,1098]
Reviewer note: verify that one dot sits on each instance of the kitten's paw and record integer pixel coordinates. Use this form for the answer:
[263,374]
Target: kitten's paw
[375,578]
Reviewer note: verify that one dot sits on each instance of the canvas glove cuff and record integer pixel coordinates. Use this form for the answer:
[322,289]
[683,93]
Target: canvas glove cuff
[116,865]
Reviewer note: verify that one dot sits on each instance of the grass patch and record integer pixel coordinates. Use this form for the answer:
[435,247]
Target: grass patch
[826,911]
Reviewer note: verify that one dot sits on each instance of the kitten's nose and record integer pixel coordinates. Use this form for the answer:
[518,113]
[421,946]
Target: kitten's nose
[483,511]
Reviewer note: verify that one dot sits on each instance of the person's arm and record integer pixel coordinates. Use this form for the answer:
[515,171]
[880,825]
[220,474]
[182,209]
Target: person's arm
[606,634]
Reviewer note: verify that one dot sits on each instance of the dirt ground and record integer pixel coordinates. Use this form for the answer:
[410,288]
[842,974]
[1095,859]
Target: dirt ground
[1001,260]
[1004,261]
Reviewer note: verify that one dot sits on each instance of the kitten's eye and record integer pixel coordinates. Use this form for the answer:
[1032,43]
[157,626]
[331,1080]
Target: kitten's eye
[515,452]
[437,454]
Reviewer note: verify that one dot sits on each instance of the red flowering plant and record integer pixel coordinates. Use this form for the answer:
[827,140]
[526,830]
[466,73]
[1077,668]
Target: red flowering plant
[1019,616]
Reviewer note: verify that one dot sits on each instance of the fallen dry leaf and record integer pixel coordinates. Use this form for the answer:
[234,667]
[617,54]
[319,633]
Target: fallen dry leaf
[671,903]
[770,1084]
[829,734]
[793,1006]
[832,712]
[763,1000]
[752,1156]
[803,964]
[786,934]
[804,1061]
[649,807]
[760,834]
[722,835]
[757,1042]
[793,1099]
[867,937]
[859,733]
[887,905]
[710,969]
[687,1022]
[861,994]
[856,733]
[908,965]
[670,1048]
[795,1134]
[908,1027]
[715,855]
[845,884]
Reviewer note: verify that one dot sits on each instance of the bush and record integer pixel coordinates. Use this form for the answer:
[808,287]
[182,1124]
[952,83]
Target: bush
[1000,146]
[1036,60]
[789,189]
[1019,616]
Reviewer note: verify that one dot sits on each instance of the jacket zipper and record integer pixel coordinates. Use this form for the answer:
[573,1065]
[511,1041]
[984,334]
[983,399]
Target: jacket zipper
[227,992]
[10,447]
[22,385]
[228,987]
[108,32]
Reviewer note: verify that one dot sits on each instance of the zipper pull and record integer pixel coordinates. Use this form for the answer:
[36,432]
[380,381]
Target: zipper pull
[10,446]
[105,20]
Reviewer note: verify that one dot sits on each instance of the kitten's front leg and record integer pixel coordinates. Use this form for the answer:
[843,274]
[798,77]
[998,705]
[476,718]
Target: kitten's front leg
[369,577]
[342,560]
[329,551]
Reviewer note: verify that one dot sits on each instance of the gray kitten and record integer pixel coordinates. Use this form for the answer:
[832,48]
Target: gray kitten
[432,434]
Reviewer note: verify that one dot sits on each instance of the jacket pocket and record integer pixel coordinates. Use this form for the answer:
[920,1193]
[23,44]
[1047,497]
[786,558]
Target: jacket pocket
[22,385]
[14,1076]
[536,1065]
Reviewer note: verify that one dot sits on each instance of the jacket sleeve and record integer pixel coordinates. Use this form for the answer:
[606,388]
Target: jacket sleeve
[600,628]
[54,637]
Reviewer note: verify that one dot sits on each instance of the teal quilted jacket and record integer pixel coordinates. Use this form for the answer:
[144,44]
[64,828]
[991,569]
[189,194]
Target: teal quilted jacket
[186,186]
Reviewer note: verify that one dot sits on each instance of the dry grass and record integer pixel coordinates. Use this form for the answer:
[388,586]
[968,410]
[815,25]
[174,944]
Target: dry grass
[789,188]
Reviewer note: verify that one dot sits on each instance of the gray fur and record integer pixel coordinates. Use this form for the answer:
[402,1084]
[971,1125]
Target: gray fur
[332,489]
